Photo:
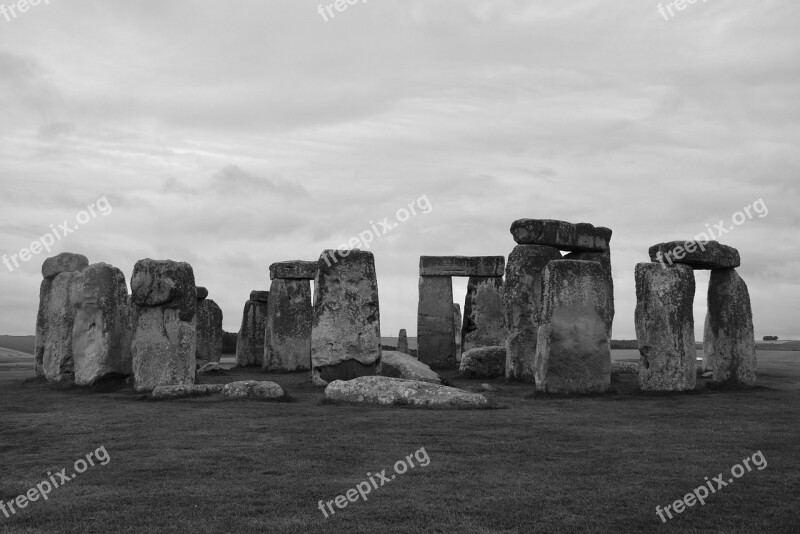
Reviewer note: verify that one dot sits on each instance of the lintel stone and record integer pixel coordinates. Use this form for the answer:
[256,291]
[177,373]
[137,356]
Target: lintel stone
[462,265]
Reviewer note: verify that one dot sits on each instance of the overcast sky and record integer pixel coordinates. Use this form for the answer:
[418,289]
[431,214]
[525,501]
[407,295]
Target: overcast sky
[235,134]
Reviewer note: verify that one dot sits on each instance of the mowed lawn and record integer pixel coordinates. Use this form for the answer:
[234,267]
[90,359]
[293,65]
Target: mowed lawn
[532,464]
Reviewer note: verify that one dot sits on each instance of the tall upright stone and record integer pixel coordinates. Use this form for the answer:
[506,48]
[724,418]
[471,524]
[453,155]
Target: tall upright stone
[435,330]
[729,348]
[665,327]
[522,299]
[604,259]
[457,323]
[101,333]
[209,329]
[53,354]
[287,338]
[164,302]
[346,332]
[573,352]
[484,324]
[250,342]
[402,341]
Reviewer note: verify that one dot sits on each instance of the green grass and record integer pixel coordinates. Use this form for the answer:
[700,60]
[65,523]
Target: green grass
[537,464]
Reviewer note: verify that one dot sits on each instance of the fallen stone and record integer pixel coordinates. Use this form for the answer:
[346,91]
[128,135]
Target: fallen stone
[560,234]
[250,342]
[165,283]
[209,331]
[402,341]
[665,327]
[696,254]
[287,338]
[293,270]
[253,389]
[386,391]
[259,296]
[346,333]
[522,302]
[573,350]
[484,324]
[101,332]
[461,265]
[183,391]
[487,387]
[435,329]
[397,364]
[729,347]
[66,262]
[210,368]
[486,362]
[202,293]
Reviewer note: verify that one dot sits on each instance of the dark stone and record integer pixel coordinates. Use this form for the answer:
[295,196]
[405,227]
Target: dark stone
[165,283]
[435,332]
[287,340]
[259,296]
[461,265]
[484,325]
[66,262]
[202,292]
[696,254]
[293,270]
[561,234]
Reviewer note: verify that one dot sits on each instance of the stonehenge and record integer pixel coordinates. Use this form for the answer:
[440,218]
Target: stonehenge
[484,324]
[665,319]
[209,329]
[164,301]
[402,341]
[287,337]
[250,343]
[346,332]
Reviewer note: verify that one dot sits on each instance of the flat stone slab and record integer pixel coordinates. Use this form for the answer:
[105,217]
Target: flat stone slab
[66,262]
[484,362]
[581,237]
[696,254]
[462,265]
[253,389]
[184,391]
[259,296]
[293,270]
[386,391]
[397,364]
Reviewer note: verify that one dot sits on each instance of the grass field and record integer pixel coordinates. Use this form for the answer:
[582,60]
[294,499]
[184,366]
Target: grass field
[532,464]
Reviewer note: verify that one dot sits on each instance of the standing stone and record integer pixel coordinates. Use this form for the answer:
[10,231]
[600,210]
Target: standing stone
[665,327]
[53,355]
[101,333]
[435,332]
[522,299]
[209,330]
[402,341]
[604,259]
[484,325]
[164,302]
[457,330]
[287,338]
[346,331]
[250,342]
[729,348]
[573,353]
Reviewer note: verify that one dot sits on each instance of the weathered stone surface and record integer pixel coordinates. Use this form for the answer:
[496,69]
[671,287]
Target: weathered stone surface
[209,331]
[293,270]
[435,332]
[398,364]
[623,368]
[729,347]
[697,254]
[402,341]
[259,296]
[183,391]
[461,265]
[484,324]
[287,339]
[386,391]
[165,283]
[163,348]
[665,327]
[202,293]
[560,234]
[457,325]
[66,262]
[484,362]
[101,332]
[253,389]
[522,301]
[250,342]
[54,322]
[604,259]
[209,368]
[573,352]
[346,332]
